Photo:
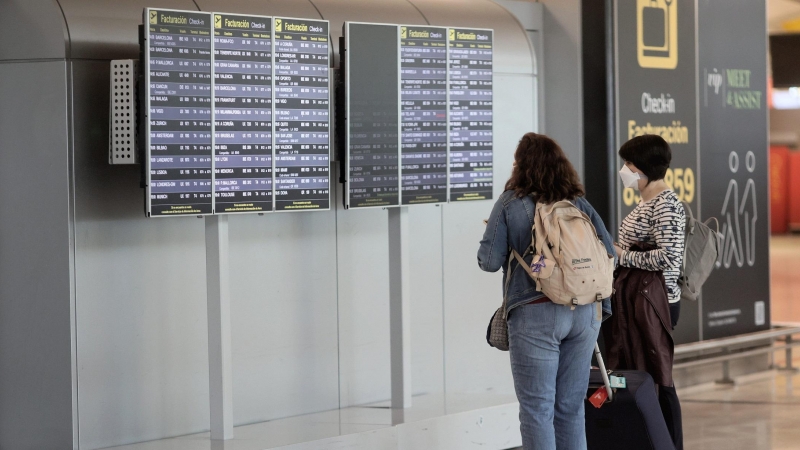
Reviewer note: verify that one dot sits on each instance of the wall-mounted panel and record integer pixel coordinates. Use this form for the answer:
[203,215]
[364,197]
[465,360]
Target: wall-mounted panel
[269,126]
[302,115]
[243,113]
[178,113]
[441,122]
[373,115]
[470,64]
[423,69]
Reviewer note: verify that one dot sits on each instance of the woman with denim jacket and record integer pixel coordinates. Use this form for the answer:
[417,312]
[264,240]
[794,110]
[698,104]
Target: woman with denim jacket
[550,345]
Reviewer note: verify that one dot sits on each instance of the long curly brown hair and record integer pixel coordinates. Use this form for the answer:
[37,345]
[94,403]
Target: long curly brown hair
[542,170]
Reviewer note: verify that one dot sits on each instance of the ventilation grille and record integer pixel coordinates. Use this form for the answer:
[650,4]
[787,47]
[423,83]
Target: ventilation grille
[122,118]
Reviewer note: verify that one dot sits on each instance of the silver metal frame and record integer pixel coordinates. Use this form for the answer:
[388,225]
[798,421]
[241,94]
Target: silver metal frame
[274,176]
[119,154]
[399,117]
[213,123]
[346,161]
[146,107]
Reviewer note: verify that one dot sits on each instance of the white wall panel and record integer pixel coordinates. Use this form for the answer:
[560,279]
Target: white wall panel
[141,294]
[36,379]
[283,313]
[427,325]
[472,296]
[363,267]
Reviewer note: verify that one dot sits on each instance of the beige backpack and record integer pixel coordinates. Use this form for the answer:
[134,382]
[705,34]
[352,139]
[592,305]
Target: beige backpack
[570,263]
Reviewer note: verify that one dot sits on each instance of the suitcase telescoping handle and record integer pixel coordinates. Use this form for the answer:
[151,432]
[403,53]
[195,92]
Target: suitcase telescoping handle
[603,372]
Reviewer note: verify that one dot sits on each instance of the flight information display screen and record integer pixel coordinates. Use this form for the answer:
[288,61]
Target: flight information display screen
[237,111]
[423,92]
[471,140]
[243,113]
[423,74]
[179,120]
[302,114]
[373,116]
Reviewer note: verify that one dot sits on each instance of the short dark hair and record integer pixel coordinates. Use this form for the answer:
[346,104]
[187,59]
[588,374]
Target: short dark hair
[650,153]
[543,171]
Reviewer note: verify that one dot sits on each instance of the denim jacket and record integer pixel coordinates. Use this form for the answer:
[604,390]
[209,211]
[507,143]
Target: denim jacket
[510,226]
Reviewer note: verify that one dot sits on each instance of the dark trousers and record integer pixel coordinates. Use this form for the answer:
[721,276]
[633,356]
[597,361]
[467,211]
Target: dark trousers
[671,409]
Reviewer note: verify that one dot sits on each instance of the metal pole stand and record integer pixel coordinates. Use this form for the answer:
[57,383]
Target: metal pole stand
[219,328]
[788,365]
[399,308]
[726,371]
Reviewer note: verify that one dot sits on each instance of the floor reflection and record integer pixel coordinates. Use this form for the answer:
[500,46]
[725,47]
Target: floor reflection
[755,415]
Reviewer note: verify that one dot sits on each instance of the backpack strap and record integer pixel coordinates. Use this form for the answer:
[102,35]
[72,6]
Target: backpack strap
[714,219]
[527,268]
[689,216]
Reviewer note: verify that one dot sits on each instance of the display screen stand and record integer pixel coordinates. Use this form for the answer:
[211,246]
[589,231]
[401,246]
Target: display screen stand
[399,307]
[219,328]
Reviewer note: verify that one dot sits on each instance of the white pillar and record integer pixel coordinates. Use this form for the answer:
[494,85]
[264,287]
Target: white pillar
[219,328]
[399,308]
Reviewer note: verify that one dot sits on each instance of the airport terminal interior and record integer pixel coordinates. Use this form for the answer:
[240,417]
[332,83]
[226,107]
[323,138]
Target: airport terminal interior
[253,224]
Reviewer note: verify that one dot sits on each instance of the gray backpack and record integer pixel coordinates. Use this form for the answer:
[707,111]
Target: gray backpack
[701,248]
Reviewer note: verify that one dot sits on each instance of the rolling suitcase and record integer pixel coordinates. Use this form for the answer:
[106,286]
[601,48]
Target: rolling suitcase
[631,418]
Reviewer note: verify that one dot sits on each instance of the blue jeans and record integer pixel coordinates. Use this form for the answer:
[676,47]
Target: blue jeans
[551,353]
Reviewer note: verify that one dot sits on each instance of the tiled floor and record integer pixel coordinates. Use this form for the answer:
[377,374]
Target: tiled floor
[762,413]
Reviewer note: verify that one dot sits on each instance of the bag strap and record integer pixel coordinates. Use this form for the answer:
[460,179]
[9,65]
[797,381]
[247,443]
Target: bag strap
[714,219]
[689,215]
[689,221]
[522,263]
[508,282]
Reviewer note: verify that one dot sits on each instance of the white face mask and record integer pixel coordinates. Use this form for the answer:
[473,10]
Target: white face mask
[630,179]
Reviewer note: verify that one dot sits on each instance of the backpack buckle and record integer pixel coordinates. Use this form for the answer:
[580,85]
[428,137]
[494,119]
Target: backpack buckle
[599,297]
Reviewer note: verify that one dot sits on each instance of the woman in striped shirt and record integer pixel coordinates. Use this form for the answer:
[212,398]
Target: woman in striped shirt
[659,221]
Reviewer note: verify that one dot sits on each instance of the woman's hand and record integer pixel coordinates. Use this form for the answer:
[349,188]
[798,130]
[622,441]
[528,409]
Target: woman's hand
[619,250]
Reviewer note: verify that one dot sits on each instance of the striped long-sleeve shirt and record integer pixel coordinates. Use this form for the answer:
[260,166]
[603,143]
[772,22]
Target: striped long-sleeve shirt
[660,222]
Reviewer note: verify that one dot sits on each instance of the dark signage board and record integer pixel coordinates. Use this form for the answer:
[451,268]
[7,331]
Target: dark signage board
[471,57]
[421,96]
[264,145]
[179,117]
[302,114]
[734,164]
[242,113]
[656,86]
[373,140]
[423,68]
[373,115]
